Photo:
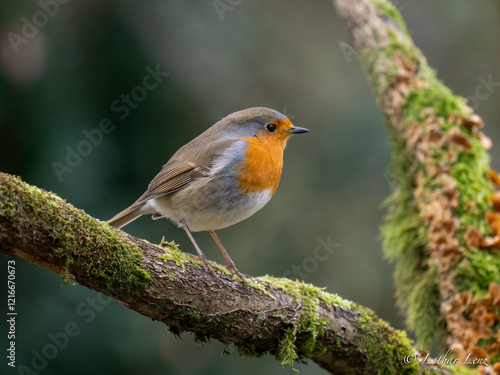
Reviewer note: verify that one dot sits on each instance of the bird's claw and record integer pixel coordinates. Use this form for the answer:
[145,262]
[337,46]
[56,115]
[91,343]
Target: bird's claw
[232,268]
[207,267]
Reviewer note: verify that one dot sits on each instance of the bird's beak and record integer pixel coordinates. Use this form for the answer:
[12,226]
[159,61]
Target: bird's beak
[296,130]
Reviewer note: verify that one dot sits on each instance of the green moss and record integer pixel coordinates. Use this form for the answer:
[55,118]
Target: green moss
[494,358]
[172,253]
[404,239]
[405,235]
[461,370]
[436,96]
[471,175]
[171,245]
[287,350]
[80,243]
[301,338]
[193,314]
[386,351]
[482,269]
[296,289]
[251,348]
[389,11]
[416,283]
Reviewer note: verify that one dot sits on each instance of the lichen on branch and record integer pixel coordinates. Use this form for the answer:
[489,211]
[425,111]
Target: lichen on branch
[441,228]
[292,320]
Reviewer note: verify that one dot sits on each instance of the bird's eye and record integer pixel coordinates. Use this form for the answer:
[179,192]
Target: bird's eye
[270,128]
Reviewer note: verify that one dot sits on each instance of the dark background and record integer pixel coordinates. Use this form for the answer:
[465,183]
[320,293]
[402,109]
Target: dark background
[289,55]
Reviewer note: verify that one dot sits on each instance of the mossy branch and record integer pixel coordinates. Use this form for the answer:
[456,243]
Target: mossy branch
[442,229]
[289,319]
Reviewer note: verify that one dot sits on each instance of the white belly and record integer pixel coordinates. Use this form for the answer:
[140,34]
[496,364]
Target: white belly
[211,214]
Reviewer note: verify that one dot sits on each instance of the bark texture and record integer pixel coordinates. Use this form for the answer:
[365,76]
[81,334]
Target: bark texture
[291,320]
[443,224]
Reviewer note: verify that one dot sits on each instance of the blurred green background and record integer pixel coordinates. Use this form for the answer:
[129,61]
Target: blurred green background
[65,76]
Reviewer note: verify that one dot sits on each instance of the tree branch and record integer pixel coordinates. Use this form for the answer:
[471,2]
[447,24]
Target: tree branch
[291,320]
[443,225]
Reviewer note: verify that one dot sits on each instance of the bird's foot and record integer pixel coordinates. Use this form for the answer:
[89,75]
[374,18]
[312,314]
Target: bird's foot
[232,268]
[207,266]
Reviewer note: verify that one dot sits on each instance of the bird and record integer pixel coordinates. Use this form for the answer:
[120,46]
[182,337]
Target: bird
[223,176]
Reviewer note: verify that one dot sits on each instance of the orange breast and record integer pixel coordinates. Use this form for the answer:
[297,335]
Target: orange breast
[263,163]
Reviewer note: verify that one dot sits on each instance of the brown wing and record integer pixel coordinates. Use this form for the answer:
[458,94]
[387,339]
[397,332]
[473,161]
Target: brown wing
[173,176]
[185,166]
[190,162]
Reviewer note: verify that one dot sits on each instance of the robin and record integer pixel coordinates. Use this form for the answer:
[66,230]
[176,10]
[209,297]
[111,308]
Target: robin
[220,178]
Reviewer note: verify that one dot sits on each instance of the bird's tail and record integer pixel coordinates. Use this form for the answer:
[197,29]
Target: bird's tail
[126,216]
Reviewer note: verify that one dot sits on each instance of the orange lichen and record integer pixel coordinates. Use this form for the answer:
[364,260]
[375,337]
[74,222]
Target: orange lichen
[473,237]
[460,139]
[471,320]
[435,139]
[473,121]
[494,177]
[495,199]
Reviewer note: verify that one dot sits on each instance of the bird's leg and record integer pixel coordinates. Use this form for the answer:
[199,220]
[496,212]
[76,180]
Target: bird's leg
[230,264]
[201,256]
